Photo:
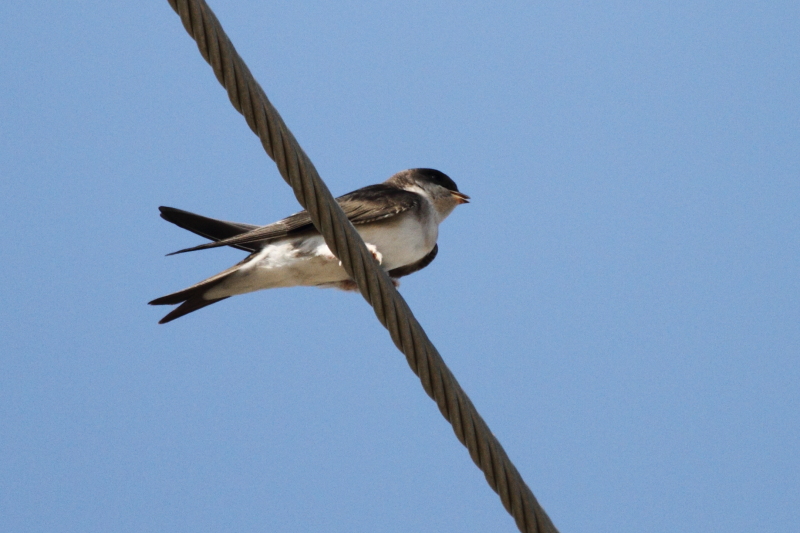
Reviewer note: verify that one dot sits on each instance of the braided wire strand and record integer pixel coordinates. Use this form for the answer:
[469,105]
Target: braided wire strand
[376,287]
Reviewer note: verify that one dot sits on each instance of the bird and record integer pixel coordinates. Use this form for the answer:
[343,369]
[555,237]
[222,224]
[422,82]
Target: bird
[398,220]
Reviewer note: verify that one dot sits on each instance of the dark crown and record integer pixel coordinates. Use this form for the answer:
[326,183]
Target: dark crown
[431,175]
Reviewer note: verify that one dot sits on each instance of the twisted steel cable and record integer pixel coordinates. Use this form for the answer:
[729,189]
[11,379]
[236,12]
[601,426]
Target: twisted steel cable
[296,168]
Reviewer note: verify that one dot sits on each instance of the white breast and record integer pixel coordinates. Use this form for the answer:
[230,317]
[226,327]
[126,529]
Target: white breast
[402,242]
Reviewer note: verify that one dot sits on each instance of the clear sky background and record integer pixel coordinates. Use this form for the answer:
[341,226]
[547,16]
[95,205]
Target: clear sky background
[620,300]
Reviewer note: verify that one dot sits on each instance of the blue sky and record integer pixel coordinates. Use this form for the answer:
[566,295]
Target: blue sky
[620,300]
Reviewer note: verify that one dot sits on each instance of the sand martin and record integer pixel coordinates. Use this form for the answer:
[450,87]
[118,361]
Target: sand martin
[398,220]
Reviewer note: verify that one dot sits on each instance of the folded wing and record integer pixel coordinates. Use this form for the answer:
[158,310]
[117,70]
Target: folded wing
[369,204]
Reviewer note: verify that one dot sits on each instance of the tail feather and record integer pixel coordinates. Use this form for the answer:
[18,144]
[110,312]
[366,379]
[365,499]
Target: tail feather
[191,304]
[210,228]
[191,298]
[176,297]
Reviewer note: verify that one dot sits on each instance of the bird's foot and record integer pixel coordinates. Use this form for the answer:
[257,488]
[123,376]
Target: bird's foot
[375,253]
[346,285]
[328,255]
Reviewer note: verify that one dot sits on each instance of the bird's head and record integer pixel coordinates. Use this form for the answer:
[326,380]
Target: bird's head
[436,186]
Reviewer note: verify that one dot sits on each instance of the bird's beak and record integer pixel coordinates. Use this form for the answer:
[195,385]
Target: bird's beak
[460,197]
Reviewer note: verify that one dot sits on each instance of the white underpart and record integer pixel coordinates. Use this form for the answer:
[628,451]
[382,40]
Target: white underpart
[309,261]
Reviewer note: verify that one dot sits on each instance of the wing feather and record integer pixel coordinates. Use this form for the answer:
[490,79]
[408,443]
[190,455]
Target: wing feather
[366,205]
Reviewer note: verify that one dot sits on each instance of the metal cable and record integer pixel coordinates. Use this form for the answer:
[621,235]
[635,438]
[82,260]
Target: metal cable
[296,168]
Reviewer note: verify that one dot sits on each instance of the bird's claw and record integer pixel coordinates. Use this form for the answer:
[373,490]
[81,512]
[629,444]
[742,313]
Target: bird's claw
[375,253]
[371,247]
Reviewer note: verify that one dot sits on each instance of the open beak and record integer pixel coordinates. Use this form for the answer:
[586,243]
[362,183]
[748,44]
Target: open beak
[460,197]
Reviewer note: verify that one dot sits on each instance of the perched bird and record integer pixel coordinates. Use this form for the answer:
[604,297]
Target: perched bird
[398,220]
